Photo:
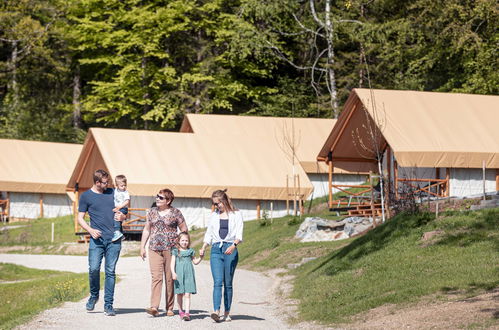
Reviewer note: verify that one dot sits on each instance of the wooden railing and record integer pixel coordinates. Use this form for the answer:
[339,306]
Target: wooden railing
[135,221]
[4,206]
[434,187]
[352,197]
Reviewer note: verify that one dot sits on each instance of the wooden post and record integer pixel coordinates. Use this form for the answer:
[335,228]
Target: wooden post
[330,179]
[437,176]
[295,210]
[8,205]
[287,194]
[258,207]
[389,169]
[372,197]
[396,179]
[483,180]
[497,179]
[76,210]
[447,179]
[41,206]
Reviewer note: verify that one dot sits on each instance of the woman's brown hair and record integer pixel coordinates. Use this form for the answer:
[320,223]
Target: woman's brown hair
[168,195]
[224,199]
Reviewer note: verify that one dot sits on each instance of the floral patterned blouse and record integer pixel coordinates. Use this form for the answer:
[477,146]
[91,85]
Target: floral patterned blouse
[164,228]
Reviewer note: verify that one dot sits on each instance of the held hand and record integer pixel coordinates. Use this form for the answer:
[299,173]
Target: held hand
[230,249]
[143,253]
[95,233]
[201,253]
[116,209]
[118,216]
[174,276]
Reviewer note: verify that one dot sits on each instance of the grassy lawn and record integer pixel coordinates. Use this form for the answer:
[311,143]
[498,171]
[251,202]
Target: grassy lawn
[34,291]
[391,265]
[37,234]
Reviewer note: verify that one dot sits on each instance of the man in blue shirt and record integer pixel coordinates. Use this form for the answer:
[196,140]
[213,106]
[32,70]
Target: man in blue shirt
[98,201]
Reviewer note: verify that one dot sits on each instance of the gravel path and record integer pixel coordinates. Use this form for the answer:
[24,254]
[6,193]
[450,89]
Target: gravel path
[253,306]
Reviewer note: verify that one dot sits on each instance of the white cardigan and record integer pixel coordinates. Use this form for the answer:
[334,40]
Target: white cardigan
[212,235]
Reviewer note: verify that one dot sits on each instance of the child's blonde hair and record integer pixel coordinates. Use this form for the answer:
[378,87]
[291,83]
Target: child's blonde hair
[120,179]
[188,237]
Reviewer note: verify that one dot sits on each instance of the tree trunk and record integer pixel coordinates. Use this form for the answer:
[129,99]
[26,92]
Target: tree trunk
[76,98]
[14,88]
[330,59]
[146,96]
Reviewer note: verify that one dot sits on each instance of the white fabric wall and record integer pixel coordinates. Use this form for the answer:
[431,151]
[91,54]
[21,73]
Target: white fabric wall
[27,205]
[197,210]
[320,182]
[463,181]
[469,181]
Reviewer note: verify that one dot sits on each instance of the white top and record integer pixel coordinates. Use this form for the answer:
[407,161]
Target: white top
[120,196]
[212,235]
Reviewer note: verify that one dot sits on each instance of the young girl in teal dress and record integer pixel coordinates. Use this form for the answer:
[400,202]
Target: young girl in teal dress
[183,273]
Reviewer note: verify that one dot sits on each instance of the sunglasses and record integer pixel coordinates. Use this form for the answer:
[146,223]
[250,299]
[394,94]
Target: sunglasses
[160,197]
[104,183]
[216,204]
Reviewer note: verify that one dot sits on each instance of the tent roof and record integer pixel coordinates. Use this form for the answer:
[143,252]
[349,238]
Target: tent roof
[424,129]
[34,166]
[310,133]
[190,165]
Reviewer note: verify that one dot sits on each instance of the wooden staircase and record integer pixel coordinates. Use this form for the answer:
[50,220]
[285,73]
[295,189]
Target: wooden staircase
[365,210]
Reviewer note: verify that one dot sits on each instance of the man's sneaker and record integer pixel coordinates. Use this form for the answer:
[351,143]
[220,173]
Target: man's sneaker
[109,311]
[91,303]
[117,235]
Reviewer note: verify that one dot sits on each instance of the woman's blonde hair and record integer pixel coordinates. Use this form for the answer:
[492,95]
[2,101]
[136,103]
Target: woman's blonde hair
[188,237]
[224,199]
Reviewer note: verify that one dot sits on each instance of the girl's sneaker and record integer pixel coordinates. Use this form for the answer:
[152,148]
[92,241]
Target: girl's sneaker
[227,318]
[181,314]
[186,317]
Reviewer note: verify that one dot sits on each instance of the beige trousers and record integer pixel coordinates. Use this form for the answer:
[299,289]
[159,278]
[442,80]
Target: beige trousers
[159,263]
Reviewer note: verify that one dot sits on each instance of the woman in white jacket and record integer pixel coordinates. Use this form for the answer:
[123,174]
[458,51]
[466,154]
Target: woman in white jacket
[224,233]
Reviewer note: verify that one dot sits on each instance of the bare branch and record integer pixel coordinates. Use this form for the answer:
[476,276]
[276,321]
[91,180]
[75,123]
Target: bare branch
[284,57]
[308,29]
[314,14]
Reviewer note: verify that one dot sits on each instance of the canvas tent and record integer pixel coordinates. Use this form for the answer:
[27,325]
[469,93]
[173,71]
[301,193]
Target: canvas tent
[442,140]
[192,167]
[307,135]
[33,177]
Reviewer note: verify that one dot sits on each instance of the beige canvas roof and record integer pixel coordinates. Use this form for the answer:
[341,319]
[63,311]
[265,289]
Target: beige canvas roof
[190,165]
[424,129]
[310,133]
[34,166]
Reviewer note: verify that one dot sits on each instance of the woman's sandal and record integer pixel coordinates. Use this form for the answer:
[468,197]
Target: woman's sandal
[152,311]
[186,317]
[215,317]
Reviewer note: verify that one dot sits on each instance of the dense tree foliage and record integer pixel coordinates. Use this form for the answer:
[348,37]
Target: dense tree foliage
[69,65]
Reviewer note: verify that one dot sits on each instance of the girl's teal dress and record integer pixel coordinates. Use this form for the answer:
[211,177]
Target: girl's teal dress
[186,279]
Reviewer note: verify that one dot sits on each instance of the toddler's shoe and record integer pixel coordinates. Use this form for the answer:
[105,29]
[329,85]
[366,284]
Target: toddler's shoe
[117,235]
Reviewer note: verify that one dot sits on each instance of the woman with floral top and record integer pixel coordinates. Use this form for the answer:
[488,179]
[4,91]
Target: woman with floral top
[161,227]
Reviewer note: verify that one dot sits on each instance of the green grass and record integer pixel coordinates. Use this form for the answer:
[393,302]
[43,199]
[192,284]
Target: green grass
[37,290]
[390,265]
[37,233]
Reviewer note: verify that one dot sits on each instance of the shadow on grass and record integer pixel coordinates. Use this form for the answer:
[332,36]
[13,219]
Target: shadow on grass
[373,241]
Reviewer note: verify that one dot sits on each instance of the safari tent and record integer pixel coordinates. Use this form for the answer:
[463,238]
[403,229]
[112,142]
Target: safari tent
[33,178]
[304,136]
[192,167]
[439,144]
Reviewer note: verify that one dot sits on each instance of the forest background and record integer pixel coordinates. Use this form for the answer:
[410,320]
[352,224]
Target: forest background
[66,65]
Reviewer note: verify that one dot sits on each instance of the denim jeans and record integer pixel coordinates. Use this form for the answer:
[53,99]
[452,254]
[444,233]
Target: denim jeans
[223,267]
[98,249]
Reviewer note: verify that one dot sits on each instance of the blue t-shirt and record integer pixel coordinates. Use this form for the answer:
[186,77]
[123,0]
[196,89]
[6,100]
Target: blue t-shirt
[100,208]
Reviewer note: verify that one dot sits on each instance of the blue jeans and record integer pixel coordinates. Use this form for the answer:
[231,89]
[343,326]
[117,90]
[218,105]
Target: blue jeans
[223,267]
[98,249]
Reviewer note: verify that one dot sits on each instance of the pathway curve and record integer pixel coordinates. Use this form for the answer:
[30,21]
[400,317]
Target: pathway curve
[253,306]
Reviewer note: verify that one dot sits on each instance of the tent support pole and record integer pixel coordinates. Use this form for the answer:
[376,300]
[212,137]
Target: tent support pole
[258,208]
[76,210]
[447,179]
[396,178]
[41,206]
